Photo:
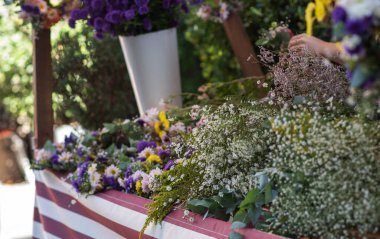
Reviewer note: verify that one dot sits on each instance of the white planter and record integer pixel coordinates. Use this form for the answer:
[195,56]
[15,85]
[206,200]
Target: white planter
[153,66]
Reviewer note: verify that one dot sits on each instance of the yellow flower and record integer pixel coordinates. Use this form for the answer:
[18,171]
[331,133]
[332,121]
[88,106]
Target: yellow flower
[309,16]
[154,158]
[138,186]
[161,125]
[320,10]
[165,122]
[158,129]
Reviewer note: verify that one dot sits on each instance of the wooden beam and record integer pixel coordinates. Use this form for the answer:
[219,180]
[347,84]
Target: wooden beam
[42,88]
[241,45]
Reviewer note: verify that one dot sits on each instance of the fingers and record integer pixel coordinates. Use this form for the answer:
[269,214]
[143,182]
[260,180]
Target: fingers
[297,40]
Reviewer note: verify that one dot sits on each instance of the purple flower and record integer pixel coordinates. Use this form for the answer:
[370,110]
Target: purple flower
[70,140]
[169,165]
[114,17]
[76,185]
[358,26]
[97,5]
[80,152]
[54,159]
[99,23]
[101,159]
[94,133]
[82,169]
[129,14]
[128,183]
[339,14]
[142,159]
[163,153]
[128,171]
[188,153]
[166,139]
[141,145]
[110,181]
[359,49]
[143,9]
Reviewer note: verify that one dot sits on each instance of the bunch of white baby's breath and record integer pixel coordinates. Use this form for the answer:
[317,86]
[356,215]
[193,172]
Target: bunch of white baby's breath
[326,167]
[230,147]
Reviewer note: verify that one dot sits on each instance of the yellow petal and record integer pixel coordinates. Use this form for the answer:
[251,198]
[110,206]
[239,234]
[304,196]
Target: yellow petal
[320,11]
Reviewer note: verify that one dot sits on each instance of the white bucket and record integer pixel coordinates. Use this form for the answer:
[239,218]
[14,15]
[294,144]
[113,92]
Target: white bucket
[153,66]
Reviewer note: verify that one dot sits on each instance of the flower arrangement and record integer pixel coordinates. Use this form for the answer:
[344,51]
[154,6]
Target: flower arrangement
[357,26]
[129,18]
[58,157]
[43,14]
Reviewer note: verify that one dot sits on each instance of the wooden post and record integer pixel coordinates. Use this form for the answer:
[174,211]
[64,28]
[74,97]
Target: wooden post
[241,45]
[42,87]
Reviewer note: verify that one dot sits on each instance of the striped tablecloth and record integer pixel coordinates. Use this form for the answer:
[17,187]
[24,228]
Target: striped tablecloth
[61,213]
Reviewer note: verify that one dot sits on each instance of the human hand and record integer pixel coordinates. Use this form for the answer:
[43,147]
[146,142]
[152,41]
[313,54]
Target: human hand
[310,44]
[304,42]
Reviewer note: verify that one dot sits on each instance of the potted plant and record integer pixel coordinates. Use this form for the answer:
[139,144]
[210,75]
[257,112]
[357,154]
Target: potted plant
[148,37]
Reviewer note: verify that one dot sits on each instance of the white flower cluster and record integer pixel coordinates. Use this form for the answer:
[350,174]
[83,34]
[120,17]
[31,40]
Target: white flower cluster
[327,170]
[230,148]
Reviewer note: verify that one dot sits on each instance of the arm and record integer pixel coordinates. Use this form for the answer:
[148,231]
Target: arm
[327,50]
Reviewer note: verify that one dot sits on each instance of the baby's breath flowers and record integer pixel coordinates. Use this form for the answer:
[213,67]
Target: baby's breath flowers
[326,168]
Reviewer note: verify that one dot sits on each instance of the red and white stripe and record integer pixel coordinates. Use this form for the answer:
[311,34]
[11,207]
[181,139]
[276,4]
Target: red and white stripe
[61,213]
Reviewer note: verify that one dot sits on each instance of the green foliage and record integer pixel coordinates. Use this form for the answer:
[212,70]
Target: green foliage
[91,80]
[220,207]
[16,69]
[179,180]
